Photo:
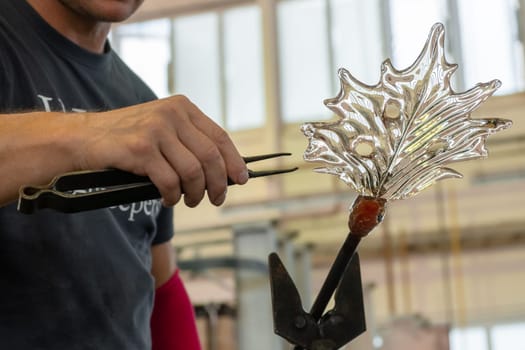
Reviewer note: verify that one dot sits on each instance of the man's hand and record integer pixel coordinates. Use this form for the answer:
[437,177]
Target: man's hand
[171,141]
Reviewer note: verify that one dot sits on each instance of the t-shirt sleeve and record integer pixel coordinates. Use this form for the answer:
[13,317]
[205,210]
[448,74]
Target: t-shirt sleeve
[165,229]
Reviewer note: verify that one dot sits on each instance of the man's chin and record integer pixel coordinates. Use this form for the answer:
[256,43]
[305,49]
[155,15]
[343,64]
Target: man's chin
[104,10]
[114,14]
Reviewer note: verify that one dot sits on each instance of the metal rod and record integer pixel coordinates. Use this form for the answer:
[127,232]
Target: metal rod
[345,254]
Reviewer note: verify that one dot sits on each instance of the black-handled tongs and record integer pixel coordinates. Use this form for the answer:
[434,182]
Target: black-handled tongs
[93,189]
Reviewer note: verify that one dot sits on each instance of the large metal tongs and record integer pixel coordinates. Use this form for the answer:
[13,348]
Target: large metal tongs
[316,330]
[93,189]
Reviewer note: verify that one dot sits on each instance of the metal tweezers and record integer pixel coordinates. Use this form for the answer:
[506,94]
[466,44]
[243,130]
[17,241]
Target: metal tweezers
[93,189]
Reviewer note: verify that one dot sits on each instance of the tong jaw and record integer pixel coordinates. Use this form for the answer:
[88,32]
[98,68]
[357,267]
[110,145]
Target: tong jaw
[335,328]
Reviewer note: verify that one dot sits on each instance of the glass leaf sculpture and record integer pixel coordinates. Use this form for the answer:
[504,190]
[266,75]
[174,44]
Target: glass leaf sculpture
[394,139]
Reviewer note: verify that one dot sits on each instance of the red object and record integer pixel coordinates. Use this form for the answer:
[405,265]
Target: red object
[173,324]
[366,214]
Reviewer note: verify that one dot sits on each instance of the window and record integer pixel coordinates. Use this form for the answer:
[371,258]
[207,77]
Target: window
[304,62]
[357,38]
[484,42]
[216,61]
[496,337]
[245,107]
[490,44]
[508,336]
[409,32]
[197,62]
[474,338]
[216,57]
[145,48]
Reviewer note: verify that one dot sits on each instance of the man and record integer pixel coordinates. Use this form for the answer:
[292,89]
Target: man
[67,102]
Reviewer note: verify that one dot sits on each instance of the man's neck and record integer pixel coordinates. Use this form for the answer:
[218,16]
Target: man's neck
[85,32]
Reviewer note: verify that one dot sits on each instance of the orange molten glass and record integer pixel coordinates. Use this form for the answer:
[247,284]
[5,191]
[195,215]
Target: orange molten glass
[366,214]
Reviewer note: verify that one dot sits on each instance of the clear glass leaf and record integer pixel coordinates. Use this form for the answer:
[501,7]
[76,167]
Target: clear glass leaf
[393,139]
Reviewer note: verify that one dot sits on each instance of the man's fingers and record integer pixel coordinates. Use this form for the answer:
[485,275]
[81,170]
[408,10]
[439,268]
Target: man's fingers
[210,159]
[166,180]
[234,164]
[189,168]
[175,171]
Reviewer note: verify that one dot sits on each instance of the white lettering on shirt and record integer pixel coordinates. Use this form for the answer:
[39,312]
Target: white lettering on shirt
[51,104]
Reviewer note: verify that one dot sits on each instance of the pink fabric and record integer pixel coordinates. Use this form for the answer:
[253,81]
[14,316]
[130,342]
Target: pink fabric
[173,320]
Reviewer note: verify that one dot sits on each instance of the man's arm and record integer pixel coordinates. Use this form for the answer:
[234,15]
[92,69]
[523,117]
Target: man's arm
[34,147]
[173,320]
[170,140]
[163,264]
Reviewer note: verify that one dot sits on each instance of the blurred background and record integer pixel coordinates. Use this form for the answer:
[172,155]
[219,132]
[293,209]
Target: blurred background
[446,269]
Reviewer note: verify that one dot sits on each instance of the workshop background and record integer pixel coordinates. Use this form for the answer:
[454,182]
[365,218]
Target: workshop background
[446,269]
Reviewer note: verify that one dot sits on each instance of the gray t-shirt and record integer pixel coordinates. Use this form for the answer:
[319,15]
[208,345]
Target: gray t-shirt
[72,281]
